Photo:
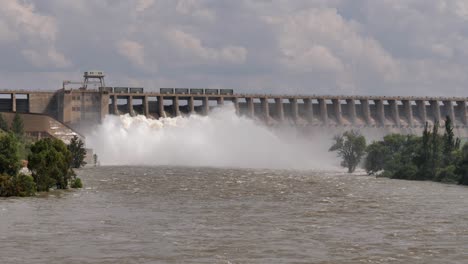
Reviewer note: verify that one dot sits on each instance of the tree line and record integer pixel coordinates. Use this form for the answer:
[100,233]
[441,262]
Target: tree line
[432,156]
[49,162]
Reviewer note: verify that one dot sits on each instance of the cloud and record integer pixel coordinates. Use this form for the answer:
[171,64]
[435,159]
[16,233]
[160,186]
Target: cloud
[142,5]
[51,58]
[417,47]
[33,34]
[190,46]
[133,51]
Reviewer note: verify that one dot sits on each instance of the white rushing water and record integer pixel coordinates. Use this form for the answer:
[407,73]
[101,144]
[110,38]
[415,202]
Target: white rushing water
[221,139]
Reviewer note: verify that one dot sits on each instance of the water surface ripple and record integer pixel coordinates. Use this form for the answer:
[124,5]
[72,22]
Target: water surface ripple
[207,215]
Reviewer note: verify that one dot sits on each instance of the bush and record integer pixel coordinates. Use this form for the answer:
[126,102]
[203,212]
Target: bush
[448,175]
[24,185]
[50,163]
[20,185]
[76,183]
[6,186]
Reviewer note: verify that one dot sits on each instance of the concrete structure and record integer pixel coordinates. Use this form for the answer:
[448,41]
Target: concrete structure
[79,108]
[43,126]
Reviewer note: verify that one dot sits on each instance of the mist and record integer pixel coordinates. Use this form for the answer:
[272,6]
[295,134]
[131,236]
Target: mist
[221,139]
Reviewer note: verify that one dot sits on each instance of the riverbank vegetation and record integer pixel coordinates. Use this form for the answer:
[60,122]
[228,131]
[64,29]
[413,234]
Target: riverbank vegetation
[433,156]
[28,166]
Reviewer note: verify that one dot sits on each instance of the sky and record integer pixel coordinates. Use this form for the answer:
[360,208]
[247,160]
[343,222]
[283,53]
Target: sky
[350,47]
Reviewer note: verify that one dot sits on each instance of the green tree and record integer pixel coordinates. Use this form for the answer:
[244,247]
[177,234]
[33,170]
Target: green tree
[393,156]
[423,159]
[9,158]
[462,166]
[50,163]
[436,142]
[450,143]
[377,155]
[351,148]
[3,124]
[17,125]
[78,152]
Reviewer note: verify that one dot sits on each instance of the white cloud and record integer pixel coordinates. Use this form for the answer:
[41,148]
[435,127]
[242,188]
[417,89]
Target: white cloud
[195,8]
[316,40]
[305,46]
[142,5]
[49,58]
[133,51]
[34,34]
[190,46]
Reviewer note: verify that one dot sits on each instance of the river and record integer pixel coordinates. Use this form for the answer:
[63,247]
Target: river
[209,215]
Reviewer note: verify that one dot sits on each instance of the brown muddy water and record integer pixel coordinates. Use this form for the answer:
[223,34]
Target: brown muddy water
[207,215]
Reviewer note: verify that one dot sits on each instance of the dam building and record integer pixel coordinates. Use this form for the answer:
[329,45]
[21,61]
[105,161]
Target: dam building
[82,108]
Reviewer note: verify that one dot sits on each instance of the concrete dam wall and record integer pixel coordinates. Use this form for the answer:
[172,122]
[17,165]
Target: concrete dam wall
[397,112]
[79,107]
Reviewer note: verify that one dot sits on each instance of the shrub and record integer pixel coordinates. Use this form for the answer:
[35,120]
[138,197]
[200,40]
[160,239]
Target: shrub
[76,183]
[24,185]
[19,185]
[50,163]
[448,175]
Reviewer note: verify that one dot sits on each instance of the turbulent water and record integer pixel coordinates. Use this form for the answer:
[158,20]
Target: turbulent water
[210,215]
[221,139]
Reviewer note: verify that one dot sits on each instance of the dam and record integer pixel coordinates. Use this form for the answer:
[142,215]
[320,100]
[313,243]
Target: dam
[83,107]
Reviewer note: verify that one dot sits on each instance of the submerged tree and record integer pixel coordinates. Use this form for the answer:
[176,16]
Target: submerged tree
[50,163]
[351,148]
[78,152]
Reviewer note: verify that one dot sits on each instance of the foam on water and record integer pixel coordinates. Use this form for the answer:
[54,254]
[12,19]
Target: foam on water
[221,139]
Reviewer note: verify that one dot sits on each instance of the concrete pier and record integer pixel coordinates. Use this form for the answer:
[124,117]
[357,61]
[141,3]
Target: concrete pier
[250,107]
[351,104]
[462,112]
[265,109]
[235,101]
[279,109]
[206,105]
[337,109]
[449,111]
[421,105]
[323,111]
[394,112]
[366,111]
[309,110]
[191,105]
[380,112]
[13,102]
[408,112]
[294,109]
[145,106]
[161,110]
[130,105]
[175,106]
[435,110]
